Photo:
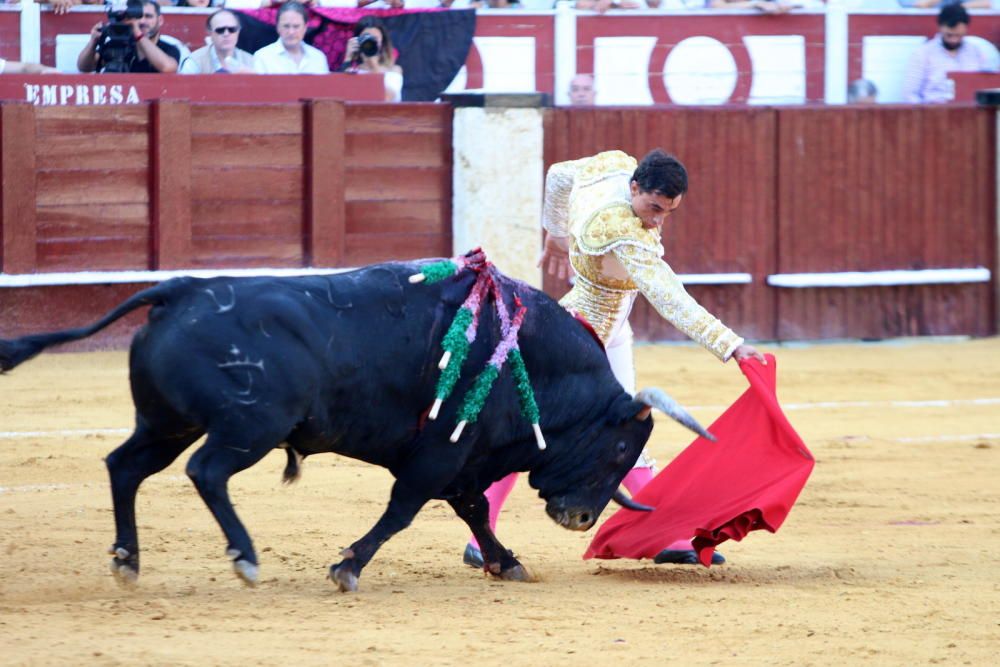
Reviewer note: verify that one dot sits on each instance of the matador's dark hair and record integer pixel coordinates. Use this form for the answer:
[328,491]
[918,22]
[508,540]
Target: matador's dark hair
[661,173]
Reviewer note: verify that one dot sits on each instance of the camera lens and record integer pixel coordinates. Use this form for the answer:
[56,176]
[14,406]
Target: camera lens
[368,45]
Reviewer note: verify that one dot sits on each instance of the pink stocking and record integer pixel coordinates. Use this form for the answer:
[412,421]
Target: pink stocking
[497,495]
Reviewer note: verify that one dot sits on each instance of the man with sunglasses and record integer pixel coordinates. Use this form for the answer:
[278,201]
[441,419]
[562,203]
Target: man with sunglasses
[221,55]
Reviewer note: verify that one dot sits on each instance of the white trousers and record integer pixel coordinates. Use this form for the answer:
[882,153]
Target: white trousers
[619,351]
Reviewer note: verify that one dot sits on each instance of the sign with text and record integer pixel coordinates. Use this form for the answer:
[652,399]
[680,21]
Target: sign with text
[88,89]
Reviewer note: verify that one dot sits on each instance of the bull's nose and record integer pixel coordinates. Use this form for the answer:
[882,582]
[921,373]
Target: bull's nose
[581,520]
[572,518]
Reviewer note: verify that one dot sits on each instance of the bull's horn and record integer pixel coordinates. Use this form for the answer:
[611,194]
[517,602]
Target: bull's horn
[657,398]
[628,503]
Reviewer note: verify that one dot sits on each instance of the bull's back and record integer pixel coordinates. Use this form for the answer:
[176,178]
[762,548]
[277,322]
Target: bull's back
[339,358]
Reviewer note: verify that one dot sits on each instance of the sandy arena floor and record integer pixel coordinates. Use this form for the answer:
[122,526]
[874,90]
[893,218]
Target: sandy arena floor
[890,556]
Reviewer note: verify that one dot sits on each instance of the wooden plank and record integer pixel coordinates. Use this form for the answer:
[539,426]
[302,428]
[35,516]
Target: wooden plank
[17,188]
[369,248]
[170,177]
[246,119]
[118,150]
[419,217]
[397,118]
[213,216]
[325,214]
[82,222]
[84,121]
[395,150]
[247,252]
[255,183]
[93,186]
[94,254]
[404,184]
[237,150]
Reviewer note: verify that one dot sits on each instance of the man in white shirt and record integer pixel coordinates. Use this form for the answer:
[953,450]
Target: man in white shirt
[290,54]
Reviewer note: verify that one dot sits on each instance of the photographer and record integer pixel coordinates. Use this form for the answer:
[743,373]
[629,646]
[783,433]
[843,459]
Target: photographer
[148,54]
[370,52]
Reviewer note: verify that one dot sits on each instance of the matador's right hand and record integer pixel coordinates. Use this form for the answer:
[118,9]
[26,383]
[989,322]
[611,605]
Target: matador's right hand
[555,257]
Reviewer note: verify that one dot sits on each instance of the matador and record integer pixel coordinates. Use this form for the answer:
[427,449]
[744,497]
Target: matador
[603,217]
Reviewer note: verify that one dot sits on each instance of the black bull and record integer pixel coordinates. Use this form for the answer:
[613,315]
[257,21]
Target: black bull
[347,363]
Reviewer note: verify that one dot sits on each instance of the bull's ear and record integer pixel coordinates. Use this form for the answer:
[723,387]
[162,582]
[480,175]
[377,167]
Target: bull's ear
[625,409]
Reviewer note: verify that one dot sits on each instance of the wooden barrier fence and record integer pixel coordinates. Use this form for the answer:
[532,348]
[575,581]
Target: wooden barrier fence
[813,190]
[173,185]
[177,185]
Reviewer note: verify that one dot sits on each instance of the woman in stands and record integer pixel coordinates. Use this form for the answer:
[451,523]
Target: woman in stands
[370,52]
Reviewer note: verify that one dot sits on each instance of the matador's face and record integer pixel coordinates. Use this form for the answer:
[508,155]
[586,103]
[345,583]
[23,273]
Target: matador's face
[651,207]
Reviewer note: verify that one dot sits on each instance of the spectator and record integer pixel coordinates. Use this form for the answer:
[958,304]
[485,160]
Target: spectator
[862,91]
[15,67]
[221,55]
[197,3]
[948,51]
[290,54]
[581,90]
[149,55]
[381,61]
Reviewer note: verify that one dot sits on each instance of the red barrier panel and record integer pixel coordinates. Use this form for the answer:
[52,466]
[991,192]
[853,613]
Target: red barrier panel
[876,188]
[10,33]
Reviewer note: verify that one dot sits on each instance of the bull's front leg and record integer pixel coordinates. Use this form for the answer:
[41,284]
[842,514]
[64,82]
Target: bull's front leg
[474,509]
[404,503]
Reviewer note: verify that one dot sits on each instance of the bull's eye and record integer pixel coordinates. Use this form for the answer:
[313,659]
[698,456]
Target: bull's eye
[622,447]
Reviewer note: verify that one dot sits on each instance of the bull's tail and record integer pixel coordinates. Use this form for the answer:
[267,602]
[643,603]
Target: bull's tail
[15,352]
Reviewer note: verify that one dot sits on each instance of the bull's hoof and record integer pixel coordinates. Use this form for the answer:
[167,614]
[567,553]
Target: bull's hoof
[126,575]
[246,571]
[517,573]
[124,567]
[345,579]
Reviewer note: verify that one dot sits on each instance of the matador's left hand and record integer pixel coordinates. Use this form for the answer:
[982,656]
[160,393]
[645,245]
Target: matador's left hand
[747,351]
[555,257]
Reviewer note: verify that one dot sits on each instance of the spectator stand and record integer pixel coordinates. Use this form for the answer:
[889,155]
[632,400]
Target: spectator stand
[673,55]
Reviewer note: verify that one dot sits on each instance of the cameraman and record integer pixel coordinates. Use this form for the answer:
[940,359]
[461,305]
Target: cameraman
[370,51]
[150,55]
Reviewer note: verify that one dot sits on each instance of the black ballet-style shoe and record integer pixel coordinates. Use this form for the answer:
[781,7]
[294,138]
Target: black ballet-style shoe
[685,557]
[473,557]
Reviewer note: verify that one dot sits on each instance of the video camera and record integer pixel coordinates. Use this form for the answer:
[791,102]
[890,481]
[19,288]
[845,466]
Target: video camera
[116,47]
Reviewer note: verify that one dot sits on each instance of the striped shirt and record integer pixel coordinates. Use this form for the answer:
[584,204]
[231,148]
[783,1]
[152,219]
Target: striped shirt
[927,74]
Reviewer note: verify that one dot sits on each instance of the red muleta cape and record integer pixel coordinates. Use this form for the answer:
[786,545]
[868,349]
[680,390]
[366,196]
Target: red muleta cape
[717,491]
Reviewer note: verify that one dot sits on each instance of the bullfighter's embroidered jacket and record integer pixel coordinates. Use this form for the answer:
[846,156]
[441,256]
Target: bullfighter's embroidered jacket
[589,202]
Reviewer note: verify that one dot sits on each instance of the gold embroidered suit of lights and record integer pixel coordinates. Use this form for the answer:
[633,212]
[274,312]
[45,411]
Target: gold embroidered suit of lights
[602,224]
